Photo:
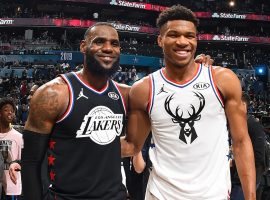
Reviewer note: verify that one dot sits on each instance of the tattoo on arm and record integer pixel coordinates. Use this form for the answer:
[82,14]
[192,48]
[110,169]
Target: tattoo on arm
[45,109]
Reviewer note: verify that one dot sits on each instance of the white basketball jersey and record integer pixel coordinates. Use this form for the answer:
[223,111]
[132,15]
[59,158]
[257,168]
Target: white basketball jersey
[191,147]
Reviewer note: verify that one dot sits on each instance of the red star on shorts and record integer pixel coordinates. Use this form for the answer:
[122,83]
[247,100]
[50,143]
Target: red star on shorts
[51,144]
[52,176]
[51,160]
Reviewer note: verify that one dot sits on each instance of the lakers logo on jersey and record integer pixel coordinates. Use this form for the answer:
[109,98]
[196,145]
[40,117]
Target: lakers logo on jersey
[101,125]
[186,123]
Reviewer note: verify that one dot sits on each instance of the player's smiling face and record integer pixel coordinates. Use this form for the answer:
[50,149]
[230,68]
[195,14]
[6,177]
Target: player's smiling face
[179,42]
[102,50]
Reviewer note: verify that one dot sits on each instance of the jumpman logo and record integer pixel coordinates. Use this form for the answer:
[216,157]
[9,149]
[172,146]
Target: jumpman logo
[162,90]
[81,94]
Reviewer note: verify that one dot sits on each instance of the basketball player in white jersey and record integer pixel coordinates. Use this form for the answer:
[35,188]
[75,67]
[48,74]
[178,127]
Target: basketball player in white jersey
[189,108]
[57,101]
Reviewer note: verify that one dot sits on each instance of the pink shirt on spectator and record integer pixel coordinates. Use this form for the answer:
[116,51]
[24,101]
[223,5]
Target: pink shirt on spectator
[11,144]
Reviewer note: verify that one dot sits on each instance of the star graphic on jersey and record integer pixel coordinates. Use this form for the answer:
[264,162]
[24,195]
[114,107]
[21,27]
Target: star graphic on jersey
[51,144]
[229,156]
[51,160]
[52,176]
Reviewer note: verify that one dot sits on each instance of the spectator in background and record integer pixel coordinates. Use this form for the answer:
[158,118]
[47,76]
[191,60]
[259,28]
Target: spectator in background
[30,83]
[23,89]
[266,177]
[257,137]
[10,146]
[24,114]
[119,76]
[65,67]
[24,74]
[133,73]
[35,74]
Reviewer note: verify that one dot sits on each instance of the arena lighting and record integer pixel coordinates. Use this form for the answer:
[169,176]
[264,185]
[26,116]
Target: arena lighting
[231,3]
[95,15]
[260,70]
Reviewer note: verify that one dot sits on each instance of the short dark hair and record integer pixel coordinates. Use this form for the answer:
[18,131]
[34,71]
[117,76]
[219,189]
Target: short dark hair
[7,100]
[246,98]
[176,12]
[97,24]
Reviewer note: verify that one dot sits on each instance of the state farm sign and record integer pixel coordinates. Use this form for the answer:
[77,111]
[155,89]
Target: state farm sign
[128,4]
[6,21]
[231,38]
[126,27]
[228,15]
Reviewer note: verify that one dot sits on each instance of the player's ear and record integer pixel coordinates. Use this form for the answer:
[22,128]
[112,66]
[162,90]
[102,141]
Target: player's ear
[83,46]
[159,40]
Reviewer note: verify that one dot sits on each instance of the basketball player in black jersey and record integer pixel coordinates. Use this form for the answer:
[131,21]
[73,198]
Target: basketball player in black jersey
[78,118]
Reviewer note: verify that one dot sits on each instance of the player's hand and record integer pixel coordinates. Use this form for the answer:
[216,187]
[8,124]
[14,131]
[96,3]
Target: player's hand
[13,172]
[204,59]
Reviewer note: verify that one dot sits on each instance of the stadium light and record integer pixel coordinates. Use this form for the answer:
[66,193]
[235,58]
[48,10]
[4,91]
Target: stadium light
[231,3]
[95,15]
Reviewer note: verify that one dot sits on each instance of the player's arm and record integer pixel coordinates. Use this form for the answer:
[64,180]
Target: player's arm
[138,126]
[46,106]
[230,87]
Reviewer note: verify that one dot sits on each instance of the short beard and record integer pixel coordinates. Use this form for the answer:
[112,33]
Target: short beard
[95,67]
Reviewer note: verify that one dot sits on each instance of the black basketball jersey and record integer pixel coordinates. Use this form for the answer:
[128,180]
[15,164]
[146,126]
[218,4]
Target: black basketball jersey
[84,154]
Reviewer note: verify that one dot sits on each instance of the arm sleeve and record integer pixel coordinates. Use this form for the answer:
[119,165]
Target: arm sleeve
[35,145]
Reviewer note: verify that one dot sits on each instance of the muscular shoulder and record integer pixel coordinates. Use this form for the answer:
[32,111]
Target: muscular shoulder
[141,85]
[53,90]
[226,81]
[139,93]
[48,103]
[221,72]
